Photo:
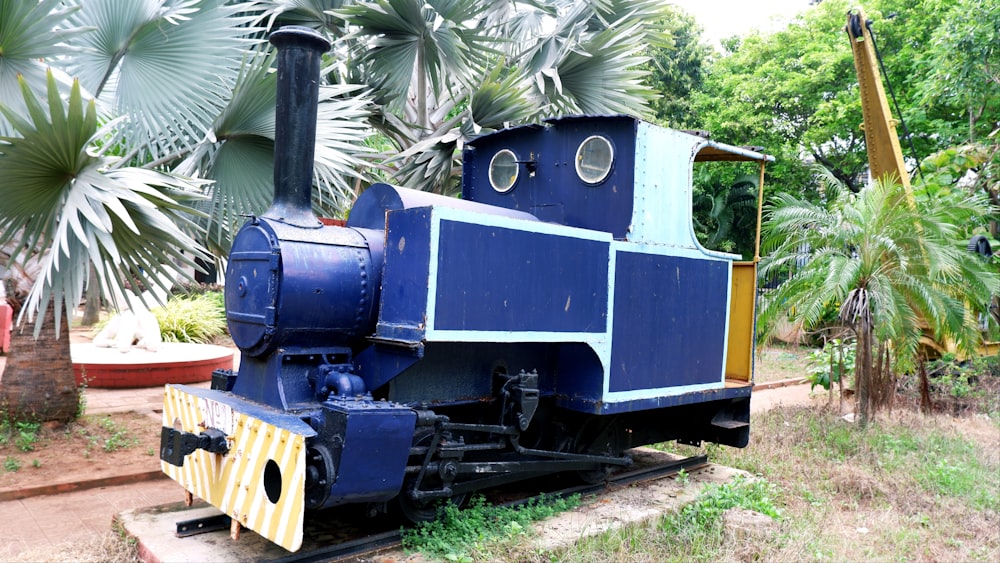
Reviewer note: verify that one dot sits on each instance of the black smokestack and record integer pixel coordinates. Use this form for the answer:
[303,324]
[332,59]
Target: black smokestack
[299,53]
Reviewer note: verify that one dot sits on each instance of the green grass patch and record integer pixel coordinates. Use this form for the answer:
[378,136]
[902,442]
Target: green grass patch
[699,524]
[458,533]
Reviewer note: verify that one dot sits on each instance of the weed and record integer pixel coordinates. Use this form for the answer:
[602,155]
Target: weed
[457,533]
[5,432]
[683,477]
[120,440]
[695,533]
[706,511]
[81,407]
[108,423]
[27,435]
[11,464]
[123,534]
[827,364]
[36,463]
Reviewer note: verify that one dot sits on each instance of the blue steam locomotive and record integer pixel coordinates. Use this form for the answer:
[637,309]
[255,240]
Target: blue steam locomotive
[559,313]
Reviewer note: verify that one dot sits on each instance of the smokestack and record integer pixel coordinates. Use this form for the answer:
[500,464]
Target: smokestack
[299,52]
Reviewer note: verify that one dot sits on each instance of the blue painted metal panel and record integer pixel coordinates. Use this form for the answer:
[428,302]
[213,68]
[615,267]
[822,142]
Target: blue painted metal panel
[405,275]
[370,209]
[552,191]
[582,404]
[581,374]
[305,287]
[497,279]
[374,445]
[670,321]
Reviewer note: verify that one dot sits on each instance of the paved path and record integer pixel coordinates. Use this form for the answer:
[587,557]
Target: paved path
[38,523]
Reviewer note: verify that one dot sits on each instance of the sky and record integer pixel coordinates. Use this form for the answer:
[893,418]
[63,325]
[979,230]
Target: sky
[724,18]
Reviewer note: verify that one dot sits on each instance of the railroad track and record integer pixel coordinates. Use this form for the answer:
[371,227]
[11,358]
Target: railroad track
[391,539]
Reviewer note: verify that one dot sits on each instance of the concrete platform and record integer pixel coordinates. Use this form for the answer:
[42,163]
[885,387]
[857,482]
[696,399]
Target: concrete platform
[155,528]
[175,362]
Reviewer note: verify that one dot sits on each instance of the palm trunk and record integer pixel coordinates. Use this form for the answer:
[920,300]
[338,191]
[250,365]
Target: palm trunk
[863,373]
[92,312]
[38,382]
[840,375]
[925,388]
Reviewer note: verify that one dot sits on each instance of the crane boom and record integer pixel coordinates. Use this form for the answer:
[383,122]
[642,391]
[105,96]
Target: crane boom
[885,158]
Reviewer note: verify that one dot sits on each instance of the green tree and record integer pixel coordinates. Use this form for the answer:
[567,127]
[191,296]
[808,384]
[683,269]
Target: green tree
[795,91]
[677,70]
[790,91]
[891,264]
[960,68]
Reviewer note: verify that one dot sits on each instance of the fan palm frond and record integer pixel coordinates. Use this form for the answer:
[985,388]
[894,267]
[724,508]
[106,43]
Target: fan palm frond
[30,33]
[135,52]
[69,208]
[238,154]
[407,39]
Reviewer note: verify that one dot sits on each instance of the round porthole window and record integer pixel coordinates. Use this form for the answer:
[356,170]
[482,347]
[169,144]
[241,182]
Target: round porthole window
[503,171]
[594,159]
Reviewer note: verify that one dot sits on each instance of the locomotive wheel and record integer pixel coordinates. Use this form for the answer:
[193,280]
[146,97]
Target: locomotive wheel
[423,511]
[417,511]
[599,436]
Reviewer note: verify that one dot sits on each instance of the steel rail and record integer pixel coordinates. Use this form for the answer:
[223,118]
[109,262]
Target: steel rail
[393,538]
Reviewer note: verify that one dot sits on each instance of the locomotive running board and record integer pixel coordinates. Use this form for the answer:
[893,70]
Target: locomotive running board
[260,481]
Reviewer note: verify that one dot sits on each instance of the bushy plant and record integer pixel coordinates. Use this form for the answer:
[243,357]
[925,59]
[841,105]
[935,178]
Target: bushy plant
[829,363]
[192,318]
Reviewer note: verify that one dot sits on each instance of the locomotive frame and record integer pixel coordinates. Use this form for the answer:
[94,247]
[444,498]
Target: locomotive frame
[558,314]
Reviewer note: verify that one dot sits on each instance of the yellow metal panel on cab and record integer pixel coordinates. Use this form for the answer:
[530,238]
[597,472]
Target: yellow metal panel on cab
[739,360]
[235,482]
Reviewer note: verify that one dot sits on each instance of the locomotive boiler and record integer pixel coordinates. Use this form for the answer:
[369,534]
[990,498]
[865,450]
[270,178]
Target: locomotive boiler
[559,313]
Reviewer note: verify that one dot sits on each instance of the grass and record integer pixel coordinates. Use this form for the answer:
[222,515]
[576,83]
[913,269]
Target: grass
[111,546]
[696,532]
[909,487]
[480,529]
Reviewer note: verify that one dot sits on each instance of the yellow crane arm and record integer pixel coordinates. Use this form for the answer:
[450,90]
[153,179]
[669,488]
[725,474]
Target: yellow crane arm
[885,158]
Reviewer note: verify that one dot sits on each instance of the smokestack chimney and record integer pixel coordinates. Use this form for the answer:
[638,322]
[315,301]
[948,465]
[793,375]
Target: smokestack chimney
[299,52]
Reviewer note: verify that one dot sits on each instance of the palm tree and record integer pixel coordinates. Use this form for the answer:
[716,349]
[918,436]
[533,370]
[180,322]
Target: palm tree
[442,71]
[892,265]
[725,214]
[109,182]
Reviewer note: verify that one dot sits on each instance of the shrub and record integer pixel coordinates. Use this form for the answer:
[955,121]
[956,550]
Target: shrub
[192,318]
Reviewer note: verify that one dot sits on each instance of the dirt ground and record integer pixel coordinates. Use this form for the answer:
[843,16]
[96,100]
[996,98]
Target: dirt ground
[92,447]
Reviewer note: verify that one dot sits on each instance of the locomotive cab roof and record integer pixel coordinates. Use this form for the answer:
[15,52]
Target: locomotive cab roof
[610,173]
